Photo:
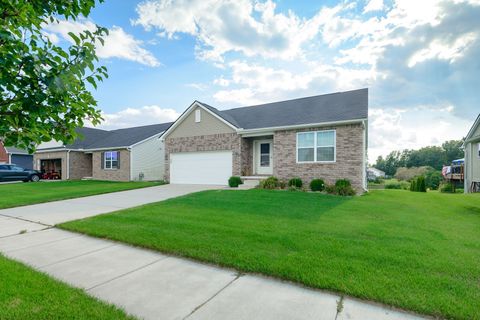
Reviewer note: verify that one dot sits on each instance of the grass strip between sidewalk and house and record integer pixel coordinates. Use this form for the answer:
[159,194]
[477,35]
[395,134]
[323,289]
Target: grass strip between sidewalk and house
[28,294]
[416,251]
[21,194]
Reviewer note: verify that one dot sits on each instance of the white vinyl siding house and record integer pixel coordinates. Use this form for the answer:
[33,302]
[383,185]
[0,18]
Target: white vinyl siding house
[472,158]
[148,160]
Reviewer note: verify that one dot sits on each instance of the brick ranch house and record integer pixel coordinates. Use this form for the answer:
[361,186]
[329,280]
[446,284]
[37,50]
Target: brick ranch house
[322,136]
[118,155]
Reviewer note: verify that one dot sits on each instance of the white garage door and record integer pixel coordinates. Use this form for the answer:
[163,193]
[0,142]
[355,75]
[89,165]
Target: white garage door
[213,167]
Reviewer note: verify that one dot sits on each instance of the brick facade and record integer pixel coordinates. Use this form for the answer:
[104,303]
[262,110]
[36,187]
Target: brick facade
[214,142]
[349,154]
[62,155]
[80,165]
[349,157]
[3,153]
[121,174]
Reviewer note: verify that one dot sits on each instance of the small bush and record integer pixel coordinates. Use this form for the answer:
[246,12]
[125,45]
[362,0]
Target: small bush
[269,183]
[421,187]
[282,184]
[342,187]
[413,185]
[331,189]
[234,182]
[317,185]
[342,183]
[393,185]
[433,179]
[295,182]
[418,184]
[293,188]
[447,188]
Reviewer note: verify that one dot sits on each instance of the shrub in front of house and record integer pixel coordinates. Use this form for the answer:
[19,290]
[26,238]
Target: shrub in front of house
[269,183]
[317,185]
[282,184]
[234,182]
[342,187]
[295,182]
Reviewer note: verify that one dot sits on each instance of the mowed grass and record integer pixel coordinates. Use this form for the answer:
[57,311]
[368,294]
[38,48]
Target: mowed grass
[28,294]
[417,251]
[20,194]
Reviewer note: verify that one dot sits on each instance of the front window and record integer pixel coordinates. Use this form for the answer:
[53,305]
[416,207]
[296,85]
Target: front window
[316,146]
[111,160]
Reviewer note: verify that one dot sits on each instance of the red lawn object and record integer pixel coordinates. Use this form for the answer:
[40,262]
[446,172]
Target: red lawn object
[51,176]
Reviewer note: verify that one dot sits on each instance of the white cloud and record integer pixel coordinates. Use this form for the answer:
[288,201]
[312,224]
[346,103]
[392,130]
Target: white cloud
[132,117]
[412,128]
[252,28]
[198,86]
[118,44]
[251,83]
[373,5]
[444,50]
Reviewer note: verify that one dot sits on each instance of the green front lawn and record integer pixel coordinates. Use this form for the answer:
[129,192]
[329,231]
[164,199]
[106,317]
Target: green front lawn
[418,251]
[28,294]
[20,194]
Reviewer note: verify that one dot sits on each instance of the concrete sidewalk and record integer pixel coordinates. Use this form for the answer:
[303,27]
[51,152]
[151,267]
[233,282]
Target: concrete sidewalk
[151,285]
[55,212]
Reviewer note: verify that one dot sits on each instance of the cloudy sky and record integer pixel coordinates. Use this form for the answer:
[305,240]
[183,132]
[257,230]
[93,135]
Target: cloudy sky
[420,60]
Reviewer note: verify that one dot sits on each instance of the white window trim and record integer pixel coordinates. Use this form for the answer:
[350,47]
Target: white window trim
[315,146]
[105,161]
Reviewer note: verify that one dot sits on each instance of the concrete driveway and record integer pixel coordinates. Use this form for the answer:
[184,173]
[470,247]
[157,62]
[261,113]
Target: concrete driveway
[52,213]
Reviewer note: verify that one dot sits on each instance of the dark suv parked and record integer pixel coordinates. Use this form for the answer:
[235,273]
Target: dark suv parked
[11,172]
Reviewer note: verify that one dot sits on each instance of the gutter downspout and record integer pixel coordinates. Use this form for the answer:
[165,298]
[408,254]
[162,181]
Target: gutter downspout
[131,164]
[9,158]
[364,151]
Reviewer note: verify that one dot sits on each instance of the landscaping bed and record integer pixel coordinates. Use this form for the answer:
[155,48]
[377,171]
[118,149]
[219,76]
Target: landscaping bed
[413,250]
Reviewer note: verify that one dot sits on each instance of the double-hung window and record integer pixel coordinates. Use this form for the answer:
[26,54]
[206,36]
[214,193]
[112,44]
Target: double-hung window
[110,160]
[316,146]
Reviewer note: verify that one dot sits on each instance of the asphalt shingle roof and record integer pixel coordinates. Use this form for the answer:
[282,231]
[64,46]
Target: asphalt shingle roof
[129,136]
[340,106]
[14,150]
[91,138]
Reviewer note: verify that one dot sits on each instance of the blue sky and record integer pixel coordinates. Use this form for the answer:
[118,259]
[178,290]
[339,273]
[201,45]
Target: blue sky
[419,60]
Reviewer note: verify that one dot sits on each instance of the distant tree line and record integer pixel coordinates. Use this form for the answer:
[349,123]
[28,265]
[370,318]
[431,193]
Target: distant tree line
[431,156]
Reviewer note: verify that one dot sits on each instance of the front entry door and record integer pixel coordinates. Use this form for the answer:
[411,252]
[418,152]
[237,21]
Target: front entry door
[263,155]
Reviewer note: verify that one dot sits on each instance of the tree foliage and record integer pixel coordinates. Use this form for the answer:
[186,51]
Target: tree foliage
[432,156]
[43,91]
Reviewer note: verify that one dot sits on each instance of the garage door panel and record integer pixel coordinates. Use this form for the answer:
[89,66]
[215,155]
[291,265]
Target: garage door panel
[201,167]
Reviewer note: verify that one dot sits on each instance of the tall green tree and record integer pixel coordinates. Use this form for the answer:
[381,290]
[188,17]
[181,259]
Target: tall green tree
[453,150]
[43,87]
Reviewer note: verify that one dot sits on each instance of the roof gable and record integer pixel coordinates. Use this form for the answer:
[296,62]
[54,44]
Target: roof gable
[474,130]
[213,112]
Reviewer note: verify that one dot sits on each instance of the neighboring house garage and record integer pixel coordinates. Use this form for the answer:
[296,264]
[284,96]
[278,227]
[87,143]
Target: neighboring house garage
[120,155]
[17,156]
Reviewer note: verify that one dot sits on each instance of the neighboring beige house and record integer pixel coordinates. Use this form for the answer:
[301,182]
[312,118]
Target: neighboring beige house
[472,158]
[322,136]
[119,155]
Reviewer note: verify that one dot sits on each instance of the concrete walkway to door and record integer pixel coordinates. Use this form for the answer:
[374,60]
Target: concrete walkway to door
[151,285]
